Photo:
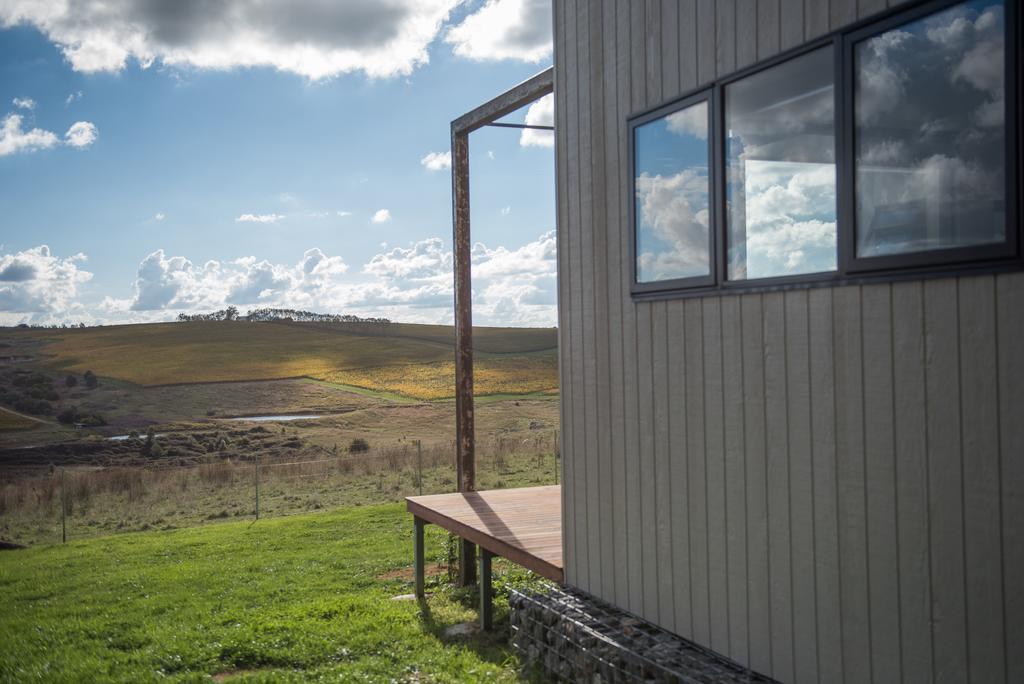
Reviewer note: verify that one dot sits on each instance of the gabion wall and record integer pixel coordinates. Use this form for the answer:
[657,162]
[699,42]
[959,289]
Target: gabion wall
[576,638]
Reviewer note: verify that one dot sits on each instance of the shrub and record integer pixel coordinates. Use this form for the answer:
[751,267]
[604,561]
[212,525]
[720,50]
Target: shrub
[358,446]
[90,379]
[70,381]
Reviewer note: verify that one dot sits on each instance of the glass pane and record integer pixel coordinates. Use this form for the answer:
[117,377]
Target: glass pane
[930,135]
[673,196]
[781,166]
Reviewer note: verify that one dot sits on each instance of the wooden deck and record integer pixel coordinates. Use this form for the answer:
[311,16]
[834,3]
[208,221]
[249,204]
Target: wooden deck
[523,525]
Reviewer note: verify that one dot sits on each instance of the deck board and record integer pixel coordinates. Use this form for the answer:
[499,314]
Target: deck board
[523,525]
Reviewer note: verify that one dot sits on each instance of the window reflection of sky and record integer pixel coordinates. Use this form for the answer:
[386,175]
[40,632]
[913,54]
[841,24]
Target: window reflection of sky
[930,133]
[672,196]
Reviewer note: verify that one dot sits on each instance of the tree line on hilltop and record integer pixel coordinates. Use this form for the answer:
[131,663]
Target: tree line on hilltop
[231,313]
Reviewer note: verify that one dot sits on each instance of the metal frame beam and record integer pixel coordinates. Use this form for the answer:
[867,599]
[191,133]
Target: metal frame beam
[526,92]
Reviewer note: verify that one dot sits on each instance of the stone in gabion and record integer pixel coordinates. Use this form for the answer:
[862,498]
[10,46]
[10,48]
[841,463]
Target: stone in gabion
[577,638]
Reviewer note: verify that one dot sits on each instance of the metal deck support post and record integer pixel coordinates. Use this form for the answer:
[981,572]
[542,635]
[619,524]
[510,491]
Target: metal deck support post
[486,592]
[417,563]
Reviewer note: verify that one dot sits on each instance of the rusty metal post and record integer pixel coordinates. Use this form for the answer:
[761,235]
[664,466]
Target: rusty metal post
[465,463]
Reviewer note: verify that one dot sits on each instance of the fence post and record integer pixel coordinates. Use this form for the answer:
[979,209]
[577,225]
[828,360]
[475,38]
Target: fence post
[419,465]
[558,453]
[63,511]
[257,487]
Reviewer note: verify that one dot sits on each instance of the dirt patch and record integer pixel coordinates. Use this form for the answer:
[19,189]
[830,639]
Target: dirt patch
[406,573]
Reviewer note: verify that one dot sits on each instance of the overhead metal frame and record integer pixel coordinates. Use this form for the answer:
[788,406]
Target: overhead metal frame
[486,114]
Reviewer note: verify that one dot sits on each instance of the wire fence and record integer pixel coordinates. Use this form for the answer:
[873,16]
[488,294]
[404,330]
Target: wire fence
[65,503]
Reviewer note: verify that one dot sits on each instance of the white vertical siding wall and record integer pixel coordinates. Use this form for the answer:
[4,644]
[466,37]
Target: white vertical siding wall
[825,484]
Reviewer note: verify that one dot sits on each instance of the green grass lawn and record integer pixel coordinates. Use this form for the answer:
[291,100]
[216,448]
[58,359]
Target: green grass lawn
[302,598]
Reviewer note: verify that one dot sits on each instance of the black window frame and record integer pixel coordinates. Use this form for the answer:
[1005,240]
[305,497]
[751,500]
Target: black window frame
[704,95]
[1005,256]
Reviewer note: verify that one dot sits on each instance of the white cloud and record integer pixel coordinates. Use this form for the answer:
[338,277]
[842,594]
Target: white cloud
[312,38]
[14,139]
[540,113]
[505,211]
[72,97]
[160,216]
[673,239]
[512,286]
[259,218]
[691,121]
[24,103]
[343,214]
[505,29]
[437,161]
[81,134]
[174,284]
[790,219]
[381,216]
[38,283]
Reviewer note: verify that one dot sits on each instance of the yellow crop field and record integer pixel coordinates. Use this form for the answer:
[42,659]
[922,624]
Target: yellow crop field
[520,374]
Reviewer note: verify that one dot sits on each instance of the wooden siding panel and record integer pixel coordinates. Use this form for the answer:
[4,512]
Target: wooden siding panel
[696,456]
[688,47]
[648,513]
[850,479]
[801,485]
[706,64]
[945,485]
[758,586]
[826,515]
[791,23]
[714,446]
[681,559]
[669,48]
[865,8]
[664,588]
[746,33]
[598,142]
[1010,304]
[912,481]
[979,406]
[637,94]
[616,66]
[841,13]
[880,480]
[725,37]
[588,346]
[779,551]
[816,18]
[735,478]
[768,34]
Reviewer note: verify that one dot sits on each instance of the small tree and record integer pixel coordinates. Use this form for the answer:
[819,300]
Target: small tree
[358,446]
[70,381]
[90,379]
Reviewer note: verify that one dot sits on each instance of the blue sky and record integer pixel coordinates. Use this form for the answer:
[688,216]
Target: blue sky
[266,161]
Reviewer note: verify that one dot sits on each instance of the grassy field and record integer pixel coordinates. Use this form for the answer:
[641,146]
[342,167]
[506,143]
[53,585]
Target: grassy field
[296,599]
[201,352]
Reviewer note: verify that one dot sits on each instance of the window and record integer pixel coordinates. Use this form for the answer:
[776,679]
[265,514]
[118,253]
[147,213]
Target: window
[672,201]
[781,169]
[887,148]
[930,139]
